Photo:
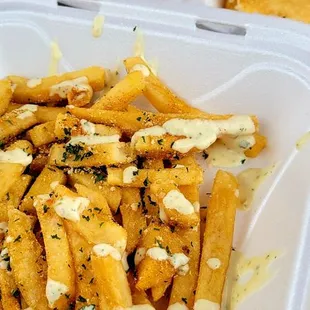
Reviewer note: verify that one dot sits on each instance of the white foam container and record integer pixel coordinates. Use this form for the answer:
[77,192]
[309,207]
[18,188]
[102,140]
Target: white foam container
[264,71]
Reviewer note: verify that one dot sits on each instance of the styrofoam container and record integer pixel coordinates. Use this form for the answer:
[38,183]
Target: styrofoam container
[220,61]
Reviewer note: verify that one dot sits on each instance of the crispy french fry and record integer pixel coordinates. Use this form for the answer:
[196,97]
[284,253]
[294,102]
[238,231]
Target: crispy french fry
[175,209]
[184,285]
[38,164]
[43,133]
[145,177]
[86,283]
[113,194]
[60,269]
[42,186]
[161,97]
[9,292]
[25,254]
[68,125]
[14,196]
[111,280]
[5,95]
[47,90]
[217,240]
[123,93]
[97,200]
[159,290]
[90,156]
[138,297]
[94,229]
[15,122]
[133,216]
[260,144]
[153,272]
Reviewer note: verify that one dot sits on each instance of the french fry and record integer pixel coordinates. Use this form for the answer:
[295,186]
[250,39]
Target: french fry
[42,186]
[60,270]
[112,283]
[5,95]
[217,240]
[25,254]
[15,122]
[175,209]
[43,91]
[86,283]
[68,125]
[94,229]
[184,285]
[9,291]
[159,290]
[138,297]
[43,133]
[38,164]
[113,194]
[14,196]
[137,120]
[123,93]
[145,177]
[153,272]
[133,216]
[97,200]
[90,156]
[260,144]
[161,97]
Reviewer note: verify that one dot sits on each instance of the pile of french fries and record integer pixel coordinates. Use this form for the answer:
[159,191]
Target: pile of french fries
[100,200]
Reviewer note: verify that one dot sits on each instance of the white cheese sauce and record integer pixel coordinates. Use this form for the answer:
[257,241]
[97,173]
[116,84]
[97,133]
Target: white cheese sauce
[139,256]
[214,263]
[54,290]
[204,304]
[152,131]
[26,111]
[70,208]
[92,140]
[129,174]
[4,259]
[16,156]
[32,83]
[176,200]
[54,184]
[88,127]
[125,261]
[3,227]
[104,249]
[142,68]
[63,88]
[56,55]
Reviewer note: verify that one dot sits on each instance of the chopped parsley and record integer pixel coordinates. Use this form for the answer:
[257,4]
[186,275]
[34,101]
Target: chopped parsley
[15,293]
[86,217]
[160,141]
[101,224]
[139,118]
[146,182]
[184,300]
[45,208]
[98,209]
[134,173]
[18,238]
[91,281]
[67,131]
[153,203]
[143,138]
[81,299]
[156,229]
[1,145]
[55,237]
[134,28]
[205,155]
[242,161]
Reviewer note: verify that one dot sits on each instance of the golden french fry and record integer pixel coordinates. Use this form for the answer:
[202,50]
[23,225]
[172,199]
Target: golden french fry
[161,97]
[86,283]
[159,290]
[174,208]
[94,229]
[184,285]
[9,291]
[90,156]
[111,280]
[43,133]
[97,199]
[50,176]
[133,217]
[14,196]
[260,144]
[5,95]
[56,88]
[138,297]
[145,177]
[94,181]
[123,93]
[68,125]
[25,254]
[60,270]
[218,238]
